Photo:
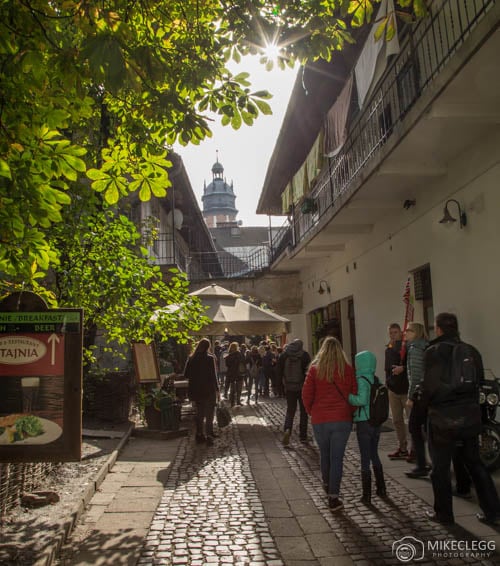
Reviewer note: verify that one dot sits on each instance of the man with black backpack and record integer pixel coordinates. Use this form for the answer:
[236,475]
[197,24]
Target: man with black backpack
[450,389]
[292,369]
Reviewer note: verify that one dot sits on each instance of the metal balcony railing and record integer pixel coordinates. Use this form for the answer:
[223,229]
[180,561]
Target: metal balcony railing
[224,264]
[168,250]
[425,50]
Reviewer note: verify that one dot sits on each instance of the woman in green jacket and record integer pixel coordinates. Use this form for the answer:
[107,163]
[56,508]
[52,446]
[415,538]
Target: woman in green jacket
[368,435]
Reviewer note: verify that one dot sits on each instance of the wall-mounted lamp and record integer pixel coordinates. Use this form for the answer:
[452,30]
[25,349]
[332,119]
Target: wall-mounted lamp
[447,217]
[323,286]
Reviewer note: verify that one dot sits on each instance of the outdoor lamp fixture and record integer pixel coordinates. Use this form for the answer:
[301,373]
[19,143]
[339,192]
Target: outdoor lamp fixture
[323,288]
[447,217]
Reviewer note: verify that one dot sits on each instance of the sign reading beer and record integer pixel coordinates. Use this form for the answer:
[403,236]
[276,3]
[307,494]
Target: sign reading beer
[40,385]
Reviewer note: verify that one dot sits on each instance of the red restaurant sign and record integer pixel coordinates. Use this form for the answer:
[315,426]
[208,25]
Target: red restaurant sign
[40,385]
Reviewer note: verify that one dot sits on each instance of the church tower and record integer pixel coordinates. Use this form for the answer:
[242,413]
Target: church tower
[218,198]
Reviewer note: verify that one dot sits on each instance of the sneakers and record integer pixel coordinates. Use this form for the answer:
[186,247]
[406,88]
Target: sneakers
[411,458]
[417,473]
[335,504]
[286,437]
[435,518]
[398,454]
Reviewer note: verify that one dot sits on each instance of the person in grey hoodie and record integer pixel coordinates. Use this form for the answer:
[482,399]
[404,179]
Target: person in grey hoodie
[292,369]
[368,435]
[416,345]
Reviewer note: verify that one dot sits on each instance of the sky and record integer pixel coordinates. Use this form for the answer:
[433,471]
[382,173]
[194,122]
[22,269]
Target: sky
[244,153]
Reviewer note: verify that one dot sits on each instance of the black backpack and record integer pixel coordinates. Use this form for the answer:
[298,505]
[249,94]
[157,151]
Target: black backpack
[294,373]
[462,371]
[379,402]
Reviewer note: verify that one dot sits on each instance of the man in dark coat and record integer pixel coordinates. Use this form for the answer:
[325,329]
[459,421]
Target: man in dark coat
[203,389]
[454,419]
[397,383]
[292,368]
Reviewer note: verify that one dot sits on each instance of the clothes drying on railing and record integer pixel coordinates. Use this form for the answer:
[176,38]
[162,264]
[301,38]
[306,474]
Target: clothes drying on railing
[373,59]
[336,120]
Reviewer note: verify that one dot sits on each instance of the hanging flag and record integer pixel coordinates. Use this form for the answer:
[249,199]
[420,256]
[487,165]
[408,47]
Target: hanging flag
[409,312]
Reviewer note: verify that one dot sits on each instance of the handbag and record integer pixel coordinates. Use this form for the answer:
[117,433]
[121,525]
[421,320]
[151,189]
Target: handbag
[223,415]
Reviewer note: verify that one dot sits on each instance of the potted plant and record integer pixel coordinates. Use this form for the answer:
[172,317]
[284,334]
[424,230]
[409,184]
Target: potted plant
[155,406]
[308,205]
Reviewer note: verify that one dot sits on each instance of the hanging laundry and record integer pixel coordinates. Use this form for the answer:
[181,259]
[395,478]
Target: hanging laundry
[336,121]
[373,59]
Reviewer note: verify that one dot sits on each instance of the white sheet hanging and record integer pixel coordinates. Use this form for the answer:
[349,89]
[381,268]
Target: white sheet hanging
[373,59]
[336,121]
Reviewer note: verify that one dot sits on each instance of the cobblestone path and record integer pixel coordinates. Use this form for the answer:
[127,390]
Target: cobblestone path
[211,511]
[367,532]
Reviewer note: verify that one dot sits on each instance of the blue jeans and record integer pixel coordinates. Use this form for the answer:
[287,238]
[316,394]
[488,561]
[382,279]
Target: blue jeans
[368,437]
[332,439]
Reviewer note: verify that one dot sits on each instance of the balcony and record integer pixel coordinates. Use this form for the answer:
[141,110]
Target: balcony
[226,265]
[407,131]
[170,250]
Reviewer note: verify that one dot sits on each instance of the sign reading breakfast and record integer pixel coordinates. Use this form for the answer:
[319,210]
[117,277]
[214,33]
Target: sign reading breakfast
[40,385]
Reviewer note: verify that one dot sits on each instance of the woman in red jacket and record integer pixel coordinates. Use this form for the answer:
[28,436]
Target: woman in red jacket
[325,394]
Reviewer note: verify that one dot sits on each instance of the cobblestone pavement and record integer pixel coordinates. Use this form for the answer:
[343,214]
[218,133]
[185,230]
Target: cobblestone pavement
[211,512]
[212,509]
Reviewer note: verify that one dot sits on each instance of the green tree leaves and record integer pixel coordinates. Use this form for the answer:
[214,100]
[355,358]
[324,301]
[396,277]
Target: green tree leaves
[96,92]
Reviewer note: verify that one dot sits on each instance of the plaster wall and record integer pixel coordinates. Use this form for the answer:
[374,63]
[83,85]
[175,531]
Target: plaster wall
[464,263]
[299,329]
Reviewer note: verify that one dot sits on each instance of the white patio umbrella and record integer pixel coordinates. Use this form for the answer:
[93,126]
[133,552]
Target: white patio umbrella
[235,316]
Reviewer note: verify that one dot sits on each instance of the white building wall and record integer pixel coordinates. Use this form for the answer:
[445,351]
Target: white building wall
[299,329]
[464,264]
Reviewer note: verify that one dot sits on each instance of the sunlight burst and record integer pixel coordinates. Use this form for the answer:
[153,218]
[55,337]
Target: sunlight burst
[272,51]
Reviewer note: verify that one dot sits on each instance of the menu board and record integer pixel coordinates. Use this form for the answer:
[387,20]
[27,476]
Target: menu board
[146,362]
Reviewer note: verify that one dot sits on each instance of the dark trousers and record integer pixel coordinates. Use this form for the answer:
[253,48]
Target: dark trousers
[253,382]
[235,388]
[441,455]
[277,384]
[205,411]
[368,438]
[416,427]
[462,476]
[292,398]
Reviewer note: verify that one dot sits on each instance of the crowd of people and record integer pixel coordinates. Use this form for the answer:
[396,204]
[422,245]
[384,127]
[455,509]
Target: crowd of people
[431,385]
